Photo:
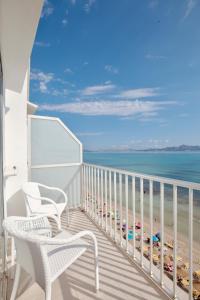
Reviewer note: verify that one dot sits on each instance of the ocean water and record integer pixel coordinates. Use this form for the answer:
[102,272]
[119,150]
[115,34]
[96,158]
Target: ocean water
[176,165]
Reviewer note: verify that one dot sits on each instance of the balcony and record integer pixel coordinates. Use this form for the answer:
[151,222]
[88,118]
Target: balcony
[132,264]
[147,227]
[119,278]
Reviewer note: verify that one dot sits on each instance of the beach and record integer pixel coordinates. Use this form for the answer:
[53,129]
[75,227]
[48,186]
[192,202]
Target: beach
[182,241]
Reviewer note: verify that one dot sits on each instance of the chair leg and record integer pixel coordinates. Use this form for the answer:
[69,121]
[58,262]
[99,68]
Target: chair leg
[16,282]
[12,246]
[58,221]
[67,215]
[48,292]
[96,266]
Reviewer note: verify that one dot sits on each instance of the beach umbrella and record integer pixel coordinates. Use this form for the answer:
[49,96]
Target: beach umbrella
[155,258]
[167,259]
[130,236]
[185,282]
[138,225]
[182,273]
[196,275]
[158,235]
[155,250]
[155,239]
[196,291]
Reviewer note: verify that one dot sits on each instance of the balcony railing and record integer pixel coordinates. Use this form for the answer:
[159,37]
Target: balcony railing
[152,219]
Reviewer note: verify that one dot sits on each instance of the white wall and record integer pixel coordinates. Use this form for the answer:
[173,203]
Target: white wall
[18,24]
[16,147]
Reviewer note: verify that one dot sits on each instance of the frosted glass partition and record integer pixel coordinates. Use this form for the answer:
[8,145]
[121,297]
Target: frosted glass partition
[55,157]
[52,143]
[66,178]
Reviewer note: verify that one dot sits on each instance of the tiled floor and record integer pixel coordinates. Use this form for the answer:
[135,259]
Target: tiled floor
[118,278]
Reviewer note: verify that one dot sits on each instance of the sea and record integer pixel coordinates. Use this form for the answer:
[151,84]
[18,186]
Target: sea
[175,165]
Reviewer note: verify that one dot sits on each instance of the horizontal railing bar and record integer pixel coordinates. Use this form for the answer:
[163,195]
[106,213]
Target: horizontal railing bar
[55,165]
[164,180]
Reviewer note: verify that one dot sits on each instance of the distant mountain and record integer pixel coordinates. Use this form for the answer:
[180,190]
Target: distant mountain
[180,148]
[175,148]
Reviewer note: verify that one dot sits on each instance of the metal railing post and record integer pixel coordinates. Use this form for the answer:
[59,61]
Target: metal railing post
[142,218]
[151,225]
[191,243]
[133,211]
[127,221]
[120,204]
[175,240]
[115,207]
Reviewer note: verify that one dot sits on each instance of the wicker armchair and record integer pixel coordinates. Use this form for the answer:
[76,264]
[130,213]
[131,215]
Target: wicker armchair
[43,257]
[38,205]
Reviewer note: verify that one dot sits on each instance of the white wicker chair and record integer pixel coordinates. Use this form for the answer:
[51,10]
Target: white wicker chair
[43,257]
[37,205]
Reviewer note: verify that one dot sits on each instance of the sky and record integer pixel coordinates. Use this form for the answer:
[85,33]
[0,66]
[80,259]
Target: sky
[120,73]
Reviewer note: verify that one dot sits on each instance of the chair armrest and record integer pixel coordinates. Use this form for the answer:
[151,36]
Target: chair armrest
[27,223]
[44,199]
[62,242]
[55,189]
[51,202]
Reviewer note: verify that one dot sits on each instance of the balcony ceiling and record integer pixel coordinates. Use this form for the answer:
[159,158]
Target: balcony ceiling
[18,25]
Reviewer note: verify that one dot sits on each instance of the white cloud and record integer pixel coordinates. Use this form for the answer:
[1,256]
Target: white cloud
[65,82]
[137,144]
[153,3]
[43,81]
[108,82]
[89,133]
[60,92]
[184,115]
[139,93]
[42,44]
[154,57]
[111,69]
[42,78]
[190,5]
[109,108]
[88,5]
[150,114]
[47,9]
[97,89]
[148,143]
[85,63]
[68,71]
[64,22]
[157,143]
